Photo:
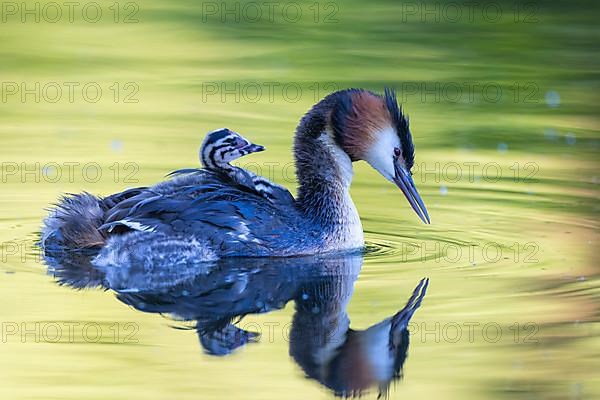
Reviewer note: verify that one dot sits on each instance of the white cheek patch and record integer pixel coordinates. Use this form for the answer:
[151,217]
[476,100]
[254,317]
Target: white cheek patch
[381,153]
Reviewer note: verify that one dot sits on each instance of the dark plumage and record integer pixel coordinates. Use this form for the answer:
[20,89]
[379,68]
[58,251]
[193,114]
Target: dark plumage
[402,127]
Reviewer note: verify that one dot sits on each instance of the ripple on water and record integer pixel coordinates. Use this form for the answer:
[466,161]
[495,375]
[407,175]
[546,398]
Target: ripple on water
[385,247]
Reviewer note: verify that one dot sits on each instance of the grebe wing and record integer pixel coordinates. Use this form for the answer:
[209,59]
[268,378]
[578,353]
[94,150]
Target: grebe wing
[184,184]
[277,194]
[233,217]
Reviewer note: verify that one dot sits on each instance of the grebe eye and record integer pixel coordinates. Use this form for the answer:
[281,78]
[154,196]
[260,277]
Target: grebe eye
[238,143]
[397,152]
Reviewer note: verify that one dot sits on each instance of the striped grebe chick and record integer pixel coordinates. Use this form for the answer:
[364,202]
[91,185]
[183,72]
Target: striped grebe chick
[222,146]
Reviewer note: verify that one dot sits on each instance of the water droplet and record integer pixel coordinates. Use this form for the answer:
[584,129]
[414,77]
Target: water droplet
[116,145]
[304,296]
[49,171]
[443,190]
[315,310]
[552,98]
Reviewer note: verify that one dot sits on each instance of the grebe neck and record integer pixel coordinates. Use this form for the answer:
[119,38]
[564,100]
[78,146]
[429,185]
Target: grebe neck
[324,173]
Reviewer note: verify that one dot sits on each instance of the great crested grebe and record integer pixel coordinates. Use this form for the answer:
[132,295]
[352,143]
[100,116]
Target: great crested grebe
[222,146]
[207,216]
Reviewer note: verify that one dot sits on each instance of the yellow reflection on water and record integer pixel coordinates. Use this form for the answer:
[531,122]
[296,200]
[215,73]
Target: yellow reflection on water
[512,243]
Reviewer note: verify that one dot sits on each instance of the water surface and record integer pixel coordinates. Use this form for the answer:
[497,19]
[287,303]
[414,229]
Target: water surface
[510,182]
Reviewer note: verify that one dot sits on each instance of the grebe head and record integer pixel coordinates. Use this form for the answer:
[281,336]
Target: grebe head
[373,128]
[222,146]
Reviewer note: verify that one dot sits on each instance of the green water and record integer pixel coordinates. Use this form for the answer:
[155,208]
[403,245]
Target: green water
[505,122]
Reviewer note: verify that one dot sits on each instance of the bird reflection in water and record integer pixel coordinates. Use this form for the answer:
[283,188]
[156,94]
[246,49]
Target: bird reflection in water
[217,295]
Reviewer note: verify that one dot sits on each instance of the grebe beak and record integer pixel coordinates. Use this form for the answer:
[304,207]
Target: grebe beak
[253,148]
[404,181]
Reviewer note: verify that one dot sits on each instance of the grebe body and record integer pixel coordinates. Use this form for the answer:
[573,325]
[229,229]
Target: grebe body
[206,215]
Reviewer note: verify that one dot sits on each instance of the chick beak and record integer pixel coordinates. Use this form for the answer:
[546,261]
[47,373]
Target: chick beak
[253,148]
[404,181]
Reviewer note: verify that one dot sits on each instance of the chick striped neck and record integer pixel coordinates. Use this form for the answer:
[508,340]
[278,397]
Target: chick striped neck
[211,156]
